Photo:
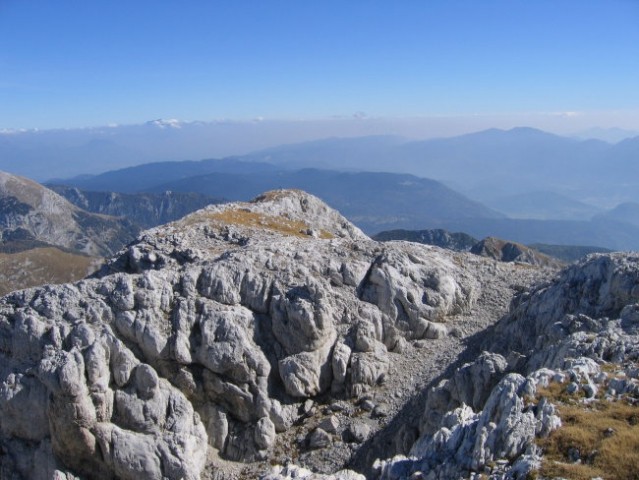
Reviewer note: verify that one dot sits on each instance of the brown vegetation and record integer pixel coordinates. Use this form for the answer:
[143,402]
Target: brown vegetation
[39,266]
[596,439]
[286,226]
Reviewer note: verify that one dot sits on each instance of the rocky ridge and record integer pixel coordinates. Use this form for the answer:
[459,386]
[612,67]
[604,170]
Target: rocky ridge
[230,336]
[506,251]
[144,209]
[490,247]
[458,241]
[33,214]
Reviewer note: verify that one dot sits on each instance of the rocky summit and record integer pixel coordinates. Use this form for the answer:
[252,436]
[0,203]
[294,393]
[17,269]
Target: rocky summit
[274,339]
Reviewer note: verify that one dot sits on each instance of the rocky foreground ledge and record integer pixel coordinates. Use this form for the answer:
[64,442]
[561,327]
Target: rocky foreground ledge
[249,338]
[566,353]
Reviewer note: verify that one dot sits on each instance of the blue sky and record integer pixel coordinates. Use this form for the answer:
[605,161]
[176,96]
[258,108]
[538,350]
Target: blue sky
[81,63]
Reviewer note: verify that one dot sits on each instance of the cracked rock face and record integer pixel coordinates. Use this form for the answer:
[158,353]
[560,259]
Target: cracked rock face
[210,332]
[488,413]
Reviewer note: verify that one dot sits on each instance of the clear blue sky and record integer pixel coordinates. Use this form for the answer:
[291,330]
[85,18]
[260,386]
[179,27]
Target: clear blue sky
[92,62]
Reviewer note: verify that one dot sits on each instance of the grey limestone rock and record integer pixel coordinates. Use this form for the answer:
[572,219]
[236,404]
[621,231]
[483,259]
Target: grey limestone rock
[210,332]
[330,424]
[319,438]
[467,441]
[340,362]
[469,385]
[359,432]
[560,331]
[295,472]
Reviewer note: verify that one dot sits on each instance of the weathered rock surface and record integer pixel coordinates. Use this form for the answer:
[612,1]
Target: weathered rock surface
[295,472]
[213,334]
[276,332]
[483,417]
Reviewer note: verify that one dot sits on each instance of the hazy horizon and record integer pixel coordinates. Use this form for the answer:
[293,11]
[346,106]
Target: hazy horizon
[416,69]
[414,128]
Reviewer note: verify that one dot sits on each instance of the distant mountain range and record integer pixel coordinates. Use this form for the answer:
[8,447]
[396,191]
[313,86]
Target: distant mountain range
[536,254]
[610,135]
[373,200]
[483,165]
[523,184]
[378,201]
[149,176]
[146,210]
[487,164]
[627,212]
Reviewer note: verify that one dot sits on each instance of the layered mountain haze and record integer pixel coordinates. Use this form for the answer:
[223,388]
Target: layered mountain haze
[552,188]
[151,175]
[484,164]
[627,212]
[373,200]
[542,205]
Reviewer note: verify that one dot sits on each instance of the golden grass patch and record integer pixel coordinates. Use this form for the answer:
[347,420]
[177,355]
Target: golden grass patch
[556,392]
[39,266]
[604,435]
[247,218]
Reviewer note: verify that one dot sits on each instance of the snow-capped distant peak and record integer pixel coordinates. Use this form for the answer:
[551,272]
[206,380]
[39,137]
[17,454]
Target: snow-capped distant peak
[15,131]
[165,123]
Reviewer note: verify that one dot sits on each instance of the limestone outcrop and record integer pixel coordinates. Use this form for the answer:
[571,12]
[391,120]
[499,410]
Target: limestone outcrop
[577,332]
[211,333]
[277,332]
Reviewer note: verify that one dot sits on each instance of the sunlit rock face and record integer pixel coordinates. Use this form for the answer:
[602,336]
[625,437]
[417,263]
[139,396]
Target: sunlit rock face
[212,333]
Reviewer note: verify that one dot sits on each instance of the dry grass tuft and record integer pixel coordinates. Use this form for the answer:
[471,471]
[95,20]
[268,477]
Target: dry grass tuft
[39,266]
[283,225]
[556,393]
[604,435]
